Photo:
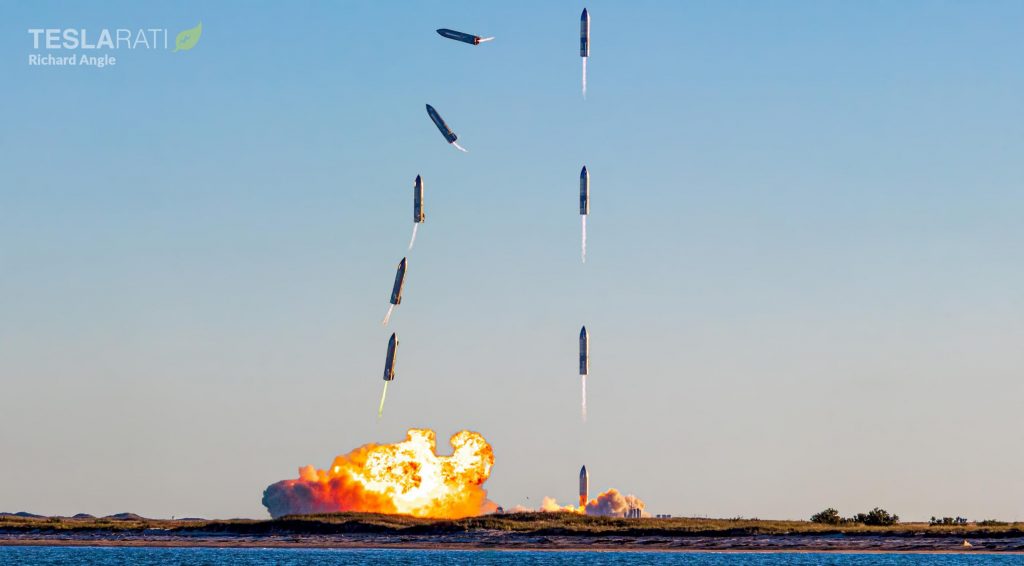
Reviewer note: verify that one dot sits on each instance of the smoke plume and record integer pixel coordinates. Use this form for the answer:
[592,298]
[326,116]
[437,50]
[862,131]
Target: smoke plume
[387,316]
[608,504]
[583,396]
[460,148]
[407,478]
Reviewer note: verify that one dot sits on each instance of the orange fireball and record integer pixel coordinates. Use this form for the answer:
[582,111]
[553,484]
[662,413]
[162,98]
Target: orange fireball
[408,478]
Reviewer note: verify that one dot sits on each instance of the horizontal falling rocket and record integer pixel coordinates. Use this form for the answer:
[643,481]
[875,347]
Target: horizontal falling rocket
[447,132]
[584,351]
[417,202]
[585,34]
[463,37]
[396,291]
[584,191]
[389,362]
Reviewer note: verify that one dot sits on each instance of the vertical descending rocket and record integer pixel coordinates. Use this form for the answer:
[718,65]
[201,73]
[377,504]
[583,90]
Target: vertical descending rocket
[584,351]
[585,44]
[584,487]
[584,211]
[389,371]
[396,290]
[418,215]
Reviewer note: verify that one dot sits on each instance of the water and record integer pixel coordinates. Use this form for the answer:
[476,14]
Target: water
[71,555]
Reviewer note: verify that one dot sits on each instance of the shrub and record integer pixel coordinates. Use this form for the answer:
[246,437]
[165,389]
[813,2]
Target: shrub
[827,517]
[876,517]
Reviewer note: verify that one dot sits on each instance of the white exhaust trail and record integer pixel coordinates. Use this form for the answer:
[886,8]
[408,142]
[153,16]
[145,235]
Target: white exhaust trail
[460,148]
[583,238]
[383,395]
[584,77]
[483,39]
[387,317]
[583,396]
[415,227]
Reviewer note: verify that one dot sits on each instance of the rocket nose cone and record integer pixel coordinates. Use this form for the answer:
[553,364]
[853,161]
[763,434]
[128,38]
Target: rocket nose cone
[583,332]
[430,108]
[583,471]
[584,15]
[418,179]
[583,172]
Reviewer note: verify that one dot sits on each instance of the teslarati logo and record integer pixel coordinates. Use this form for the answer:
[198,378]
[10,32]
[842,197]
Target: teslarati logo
[97,48]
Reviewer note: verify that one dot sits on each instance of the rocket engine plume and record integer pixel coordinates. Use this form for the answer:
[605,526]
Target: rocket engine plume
[584,77]
[583,239]
[406,478]
[383,396]
[583,396]
[483,39]
[387,316]
[415,227]
[460,148]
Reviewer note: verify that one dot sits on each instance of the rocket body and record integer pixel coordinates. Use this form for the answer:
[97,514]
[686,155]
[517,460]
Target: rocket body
[584,191]
[418,215]
[584,351]
[396,291]
[389,362]
[463,37]
[447,132]
[585,34]
[584,487]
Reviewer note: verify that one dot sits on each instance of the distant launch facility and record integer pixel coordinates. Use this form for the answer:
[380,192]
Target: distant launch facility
[463,37]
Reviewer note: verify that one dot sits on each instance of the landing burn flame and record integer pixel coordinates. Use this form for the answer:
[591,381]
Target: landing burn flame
[406,478]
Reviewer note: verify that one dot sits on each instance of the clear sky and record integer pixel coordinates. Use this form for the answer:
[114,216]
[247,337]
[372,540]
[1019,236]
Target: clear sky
[804,278]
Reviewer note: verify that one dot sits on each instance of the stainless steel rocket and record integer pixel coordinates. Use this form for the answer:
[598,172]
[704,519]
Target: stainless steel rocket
[463,37]
[447,132]
[584,351]
[417,201]
[396,291]
[584,486]
[584,191]
[389,362]
[585,34]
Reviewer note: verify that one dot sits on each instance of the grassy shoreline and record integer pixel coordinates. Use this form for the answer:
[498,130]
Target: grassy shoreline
[540,524]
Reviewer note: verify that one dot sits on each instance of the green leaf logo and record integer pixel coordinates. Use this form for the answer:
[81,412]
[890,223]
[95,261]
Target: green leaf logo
[188,39]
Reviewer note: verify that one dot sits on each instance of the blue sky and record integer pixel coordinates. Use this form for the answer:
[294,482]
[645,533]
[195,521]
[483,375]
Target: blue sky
[803,284]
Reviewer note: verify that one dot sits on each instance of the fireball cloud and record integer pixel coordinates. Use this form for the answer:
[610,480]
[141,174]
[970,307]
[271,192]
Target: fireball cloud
[407,478]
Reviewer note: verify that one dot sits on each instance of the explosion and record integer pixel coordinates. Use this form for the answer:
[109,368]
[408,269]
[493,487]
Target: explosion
[406,478]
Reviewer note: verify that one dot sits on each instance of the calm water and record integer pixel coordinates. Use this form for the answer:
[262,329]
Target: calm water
[302,557]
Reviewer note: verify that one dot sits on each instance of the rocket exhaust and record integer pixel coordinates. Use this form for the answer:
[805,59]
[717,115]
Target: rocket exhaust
[583,238]
[387,316]
[583,397]
[383,395]
[460,148]
[412,240]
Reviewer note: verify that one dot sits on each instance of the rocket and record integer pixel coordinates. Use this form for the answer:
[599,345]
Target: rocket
[396,291]
[585,34]
[463,37]
[417,202]
[584,487]
[584,351]
[447,132]
[584,191]
[389,362]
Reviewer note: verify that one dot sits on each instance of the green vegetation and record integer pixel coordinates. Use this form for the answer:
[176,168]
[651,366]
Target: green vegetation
[876,517]
[877,521]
